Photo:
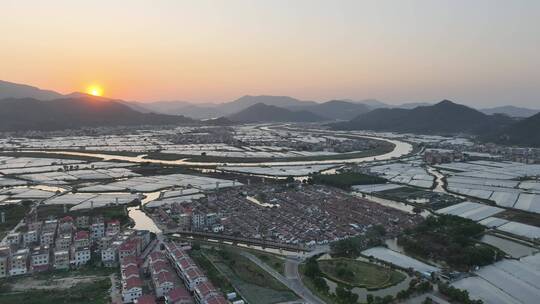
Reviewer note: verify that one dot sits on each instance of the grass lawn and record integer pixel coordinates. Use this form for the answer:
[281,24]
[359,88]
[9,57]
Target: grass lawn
[87,270]
[216,277]
[361,274]
[84,293]
[252,282]
[271,260]
[275,261]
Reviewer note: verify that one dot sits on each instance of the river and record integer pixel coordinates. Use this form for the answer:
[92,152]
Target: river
[142,220]
[400,149]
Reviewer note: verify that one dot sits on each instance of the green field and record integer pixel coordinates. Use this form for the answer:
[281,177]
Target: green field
[215,276]
[359,274]
[271,260]
[84,293]
[252,282]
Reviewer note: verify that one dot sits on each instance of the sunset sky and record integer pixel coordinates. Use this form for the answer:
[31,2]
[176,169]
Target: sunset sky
[474,52]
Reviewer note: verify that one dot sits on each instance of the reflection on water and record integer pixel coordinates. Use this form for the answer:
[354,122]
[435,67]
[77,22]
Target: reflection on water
[48,188]
[439,182]
[143,221]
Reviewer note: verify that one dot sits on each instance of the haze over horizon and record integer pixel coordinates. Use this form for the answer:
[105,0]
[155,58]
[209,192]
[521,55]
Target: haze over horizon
[481,53]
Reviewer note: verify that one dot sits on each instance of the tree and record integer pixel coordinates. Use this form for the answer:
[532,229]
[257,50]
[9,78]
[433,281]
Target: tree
[320,284]
[345,296]
[369,299]
[350,247]
[312,268]
[427,300]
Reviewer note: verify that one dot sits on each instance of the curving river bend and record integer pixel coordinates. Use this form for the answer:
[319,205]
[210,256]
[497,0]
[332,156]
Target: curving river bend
[400,149]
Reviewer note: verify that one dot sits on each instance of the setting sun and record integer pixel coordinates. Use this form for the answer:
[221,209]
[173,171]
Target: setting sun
[95,90]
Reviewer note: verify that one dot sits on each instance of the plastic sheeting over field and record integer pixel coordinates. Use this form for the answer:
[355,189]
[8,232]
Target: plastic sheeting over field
[399,259]
[507,281]
[405,173]
[278,170]
[155,183]
[470,210]
[496,181]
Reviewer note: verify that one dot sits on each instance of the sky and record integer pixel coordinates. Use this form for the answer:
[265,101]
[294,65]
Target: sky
[480,52]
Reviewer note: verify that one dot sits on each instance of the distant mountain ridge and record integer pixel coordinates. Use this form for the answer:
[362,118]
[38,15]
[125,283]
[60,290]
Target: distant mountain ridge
[334,109]
[511,111]
[15,90]
[71,113]
[443,117]
[523,133]
[197,111]
[261,112]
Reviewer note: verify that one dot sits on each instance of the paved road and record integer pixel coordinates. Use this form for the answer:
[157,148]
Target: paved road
[291,278]
[292,274]
[116,296]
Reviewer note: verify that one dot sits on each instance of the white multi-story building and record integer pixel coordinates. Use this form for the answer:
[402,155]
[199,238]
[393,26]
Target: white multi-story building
[19,263]
[80,256]
[109,255]
[13,238]
[30,237]
[113,228]
[3,266]
[198,220]
[61,259]
[63,242]
[163,283]
[47,238]
[131,290]
[97,230]
[81,239]
[39,258]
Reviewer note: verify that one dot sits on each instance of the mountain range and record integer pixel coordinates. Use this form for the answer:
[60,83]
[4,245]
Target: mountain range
[15,90]
[524,133]
[25,107]
[444,117]
[261,112]
[343,109]
[20,114]
[511,111]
